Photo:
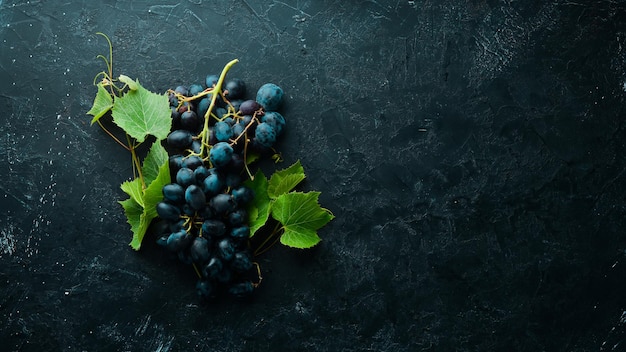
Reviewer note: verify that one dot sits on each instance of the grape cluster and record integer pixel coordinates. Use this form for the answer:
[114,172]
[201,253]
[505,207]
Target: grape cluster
[205,205]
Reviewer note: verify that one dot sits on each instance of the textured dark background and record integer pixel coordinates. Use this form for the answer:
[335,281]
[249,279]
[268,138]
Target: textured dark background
[472,151]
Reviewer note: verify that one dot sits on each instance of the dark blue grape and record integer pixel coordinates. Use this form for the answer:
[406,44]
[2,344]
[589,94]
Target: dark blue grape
[237,130]
[173,100]
[180,139]
[222,204]
[178,241]
[203,107]
[199,250]
[201,172]
[213,228]
[184,256]
[220,154]
[226,249]
[240,232]
[242,195]
[174,193]
[236,88]
[189,121]
[270,96]
[176,162]
[274,119]
[195,89]
[236,103]
[220,112]
[223,131]
[196,146]
[175,116]
[182,90]
[162,241]
[241,262]
[236,164]
[233,180]
[205,289]
[192,162]
[185,106]
[188,210]
[177,225]
[265,135]
[213,184]
[238,217]
[248,107]
[185,177]
[211,80]
[195,197]
[167,211]
[206,213]
[225,275]
[241,290]
[213,268]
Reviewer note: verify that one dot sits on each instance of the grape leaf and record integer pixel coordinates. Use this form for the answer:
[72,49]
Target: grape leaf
[133,213]
[153,162]
[141,113]
[285,180]
[301,217]
[259,208]
[151,196]
[133,85]
[102,103]
[134,189]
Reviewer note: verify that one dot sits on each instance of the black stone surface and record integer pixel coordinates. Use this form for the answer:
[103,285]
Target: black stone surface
[472,151]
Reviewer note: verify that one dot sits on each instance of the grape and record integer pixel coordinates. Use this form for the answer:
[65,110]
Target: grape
[178,241]
[240,232]
[182,90]
[196,146]
[167,211]
[180,139]
[195,197]
[176,162]
[241,262]
[237,130]
[233,180]
[175,116]
[205,289]
[270,96]
[201,173]
[199,251]
[211,80]
[192,162]
[220,154]
[236,88]
[274,119]
[213,228]
[225,275]
[174,193]
[185,177]
[265,135]
[242,195]
[248,107]
[220,112]
[195,89]
[213,268]
[223,131]
[162,241]
[189,120]
[237,217]
[222,204]
[226,249]
[203,106]
[213,184]
[242,289]
[236,103]
[188,210]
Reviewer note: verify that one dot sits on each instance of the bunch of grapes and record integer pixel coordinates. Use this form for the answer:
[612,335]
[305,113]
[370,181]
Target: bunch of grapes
[204,207]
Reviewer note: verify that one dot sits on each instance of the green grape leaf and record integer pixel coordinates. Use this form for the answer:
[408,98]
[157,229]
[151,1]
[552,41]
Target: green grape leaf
[141,113]
[134,189]
[153,193]
[151,197]
[133,85]
[133,213]
[285,180]
[102,103]
[153,161]
[259,208]
[301,217]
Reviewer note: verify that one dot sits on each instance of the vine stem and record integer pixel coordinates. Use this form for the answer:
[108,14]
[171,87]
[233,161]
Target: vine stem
[216,91]
[263,247]
[136,162]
